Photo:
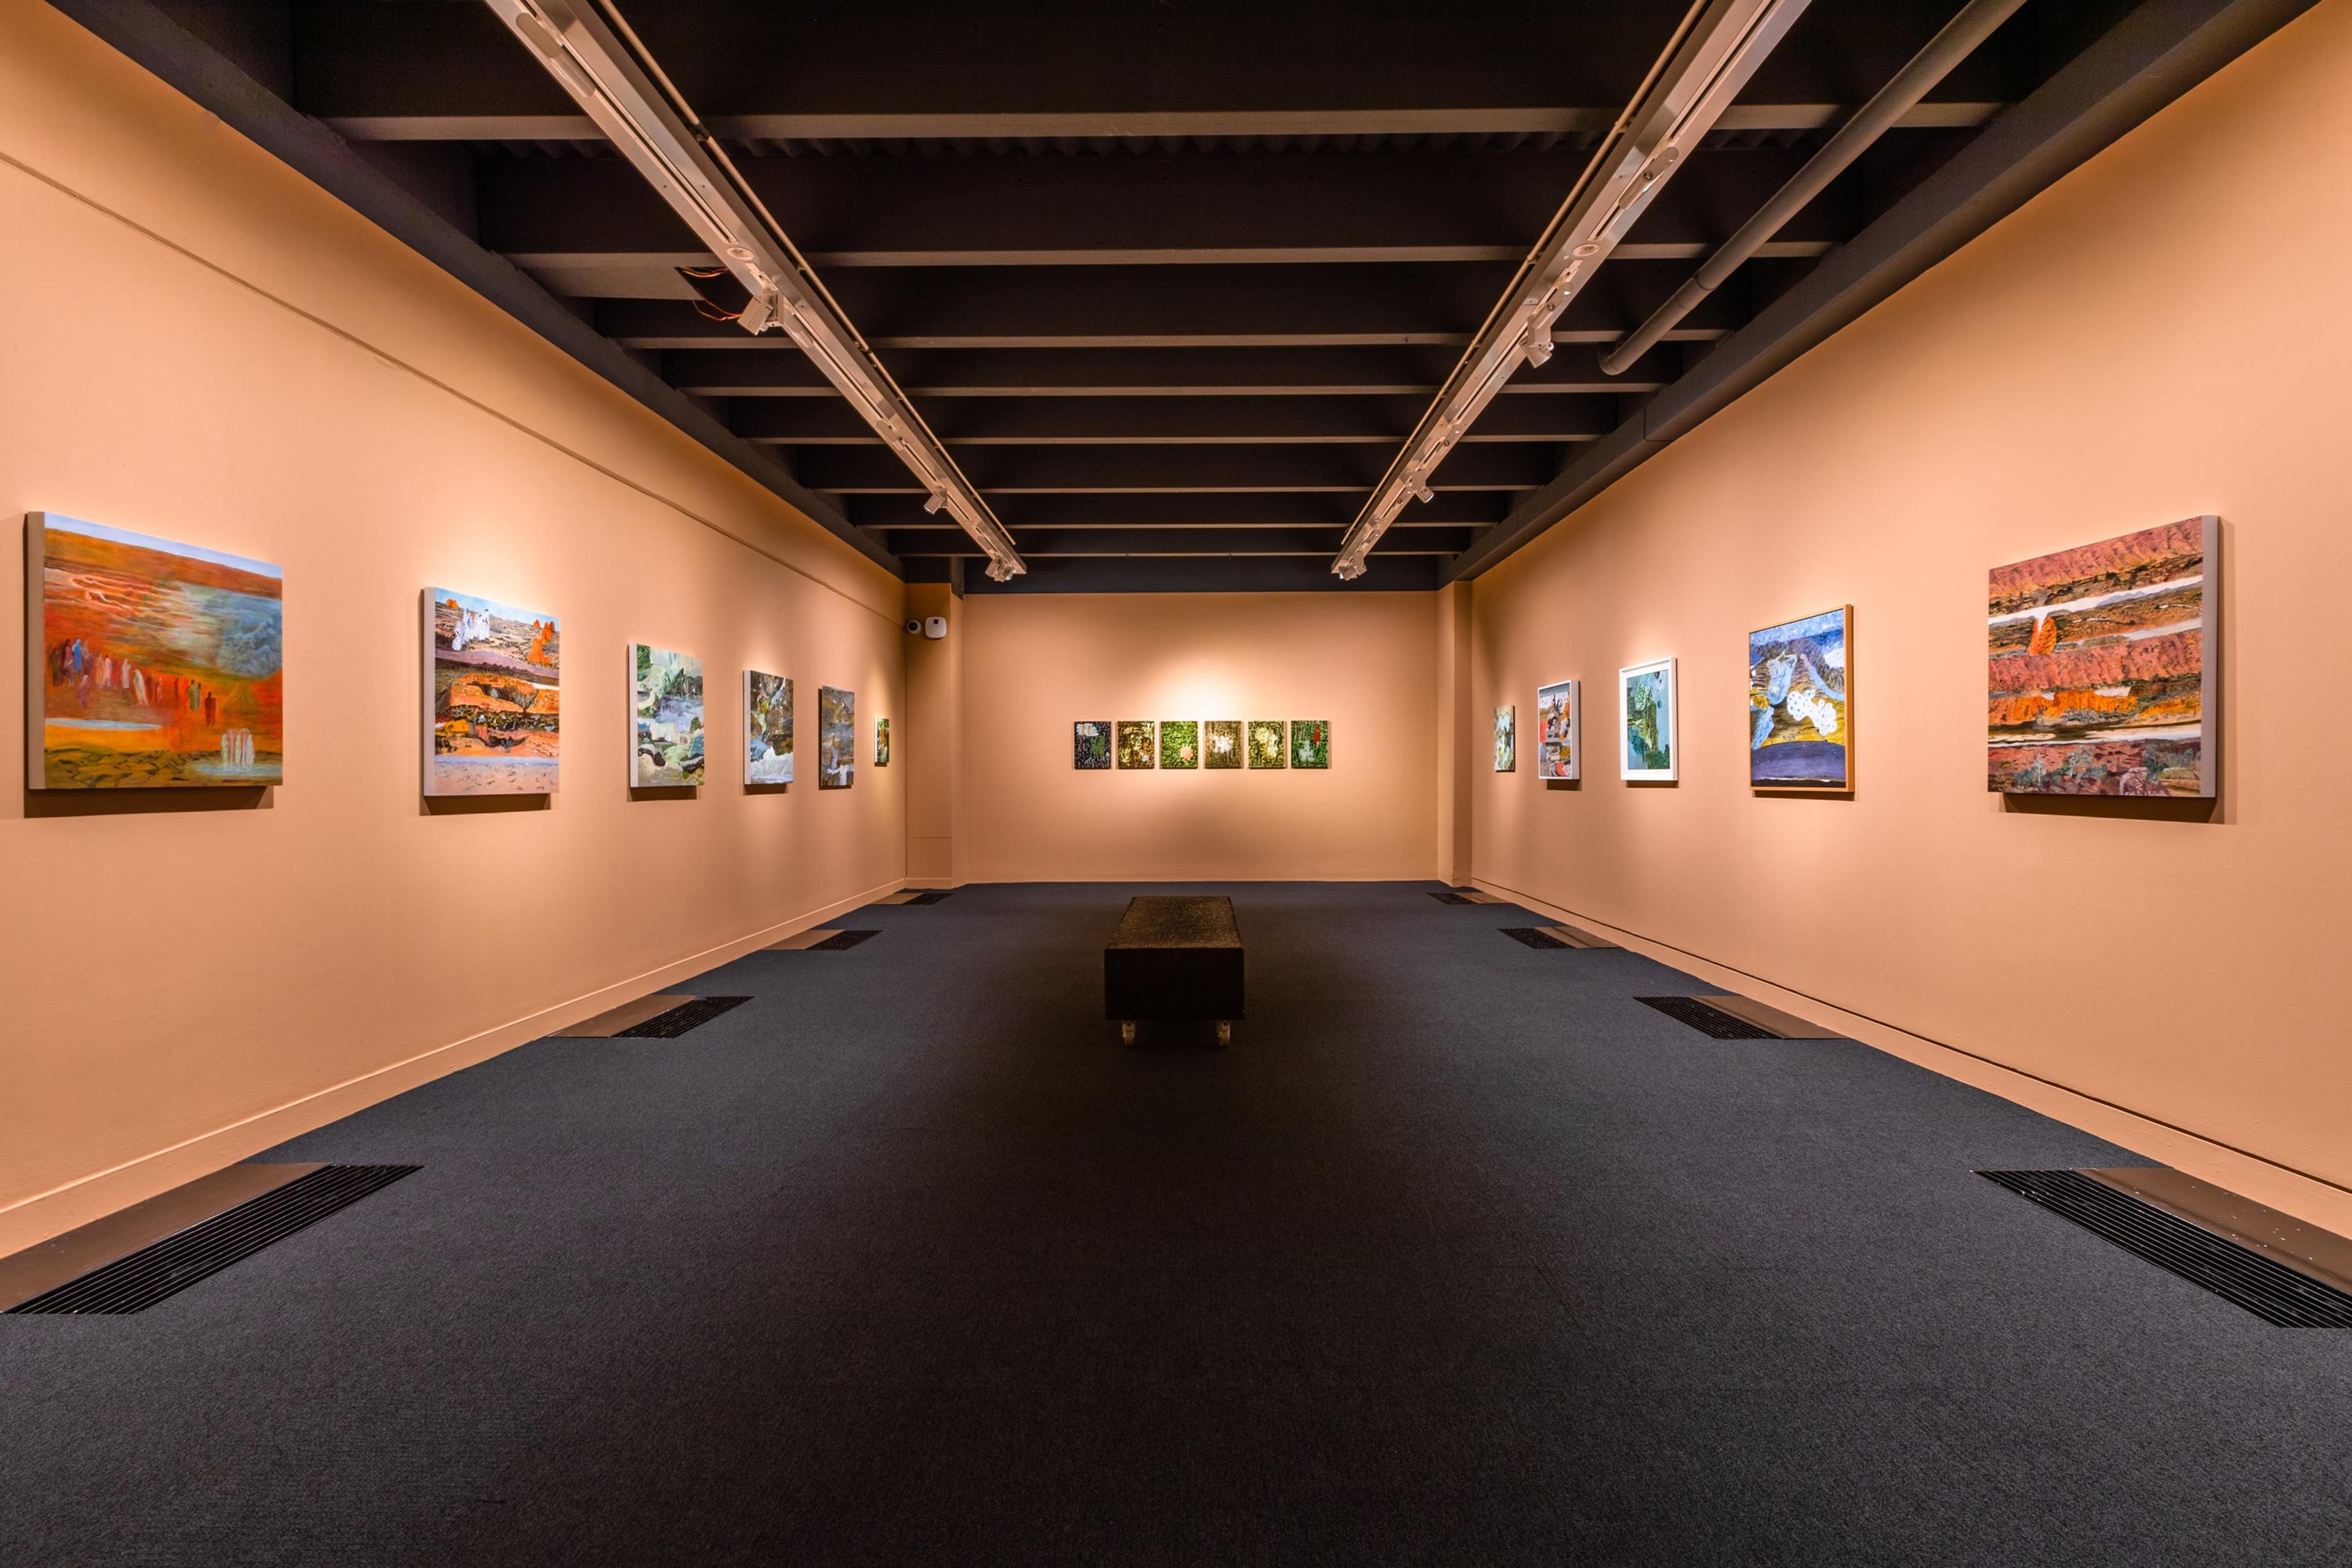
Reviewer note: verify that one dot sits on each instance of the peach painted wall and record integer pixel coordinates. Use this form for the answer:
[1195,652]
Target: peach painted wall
[2163,333]
[1036,663]
[204,346]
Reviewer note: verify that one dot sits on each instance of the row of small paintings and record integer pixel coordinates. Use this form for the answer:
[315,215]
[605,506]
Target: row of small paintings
[2104,679]
[153,664]
[1096,744]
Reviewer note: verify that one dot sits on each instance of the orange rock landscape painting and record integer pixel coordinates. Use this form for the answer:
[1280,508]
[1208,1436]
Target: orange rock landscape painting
[150,664]
[493,713]
[2105,667]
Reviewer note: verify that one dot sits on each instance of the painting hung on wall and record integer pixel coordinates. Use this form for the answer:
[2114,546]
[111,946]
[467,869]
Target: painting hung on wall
[1090,743]
[1180,743]
[1645,721]
[836,738]
[767,729]
[1221,743]
[1266,742]
[666,696]
[1137,739]
[1507,739]
[149,665]
[1559,747]
[492,714]
[1800,713]
[1310,743]
[2105,667]
[881,742]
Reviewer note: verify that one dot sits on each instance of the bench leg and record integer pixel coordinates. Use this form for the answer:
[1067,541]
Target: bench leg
[1127,1031]
[1225,1031]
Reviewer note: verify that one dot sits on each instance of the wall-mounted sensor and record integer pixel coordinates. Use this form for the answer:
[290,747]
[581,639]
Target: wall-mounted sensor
[934,629]
[913,626]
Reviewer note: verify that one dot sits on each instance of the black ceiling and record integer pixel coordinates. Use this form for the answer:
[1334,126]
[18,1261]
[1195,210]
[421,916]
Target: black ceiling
[1172,280]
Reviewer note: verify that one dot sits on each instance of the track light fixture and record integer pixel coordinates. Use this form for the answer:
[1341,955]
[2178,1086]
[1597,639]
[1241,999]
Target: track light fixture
[1710,58]
[591,51]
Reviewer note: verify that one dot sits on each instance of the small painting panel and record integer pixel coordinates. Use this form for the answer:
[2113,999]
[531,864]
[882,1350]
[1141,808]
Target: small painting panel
[493,708]
[767,729]
[1137,740]
[665,695]
[881,742]
[1800,713]
[149,665]
[1507,739]
[1645,721]
[1090,743]
[1560,748]
[1310,743]
[1266,742]
[1180,742]
[2104,670]
[1221,743]
[836,738]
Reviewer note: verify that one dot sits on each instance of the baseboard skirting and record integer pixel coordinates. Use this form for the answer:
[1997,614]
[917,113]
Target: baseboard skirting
[32,1220]
[2313,1199]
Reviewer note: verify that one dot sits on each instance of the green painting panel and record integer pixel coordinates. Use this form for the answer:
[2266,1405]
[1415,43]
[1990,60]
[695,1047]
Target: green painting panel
[881,742]
[1090,745]
[1310,743]
[1221,743]
[1266,742]
[1136,743]
[1180,743]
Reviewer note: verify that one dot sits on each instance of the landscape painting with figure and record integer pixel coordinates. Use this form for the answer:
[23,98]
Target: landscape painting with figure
[1221,743]
[1645,715]
[493,715]
[153,665]
[1507,739]
[1310,743]
[665,699]
[1799,716]
[881,742]
[1265,739]
[767,728]
[1090,743]
[1180,743]
[1138,740]
[1556,743]
[836,738]
[2105,668]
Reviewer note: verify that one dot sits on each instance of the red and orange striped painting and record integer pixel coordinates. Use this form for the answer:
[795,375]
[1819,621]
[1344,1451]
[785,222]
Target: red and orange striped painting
[152,665]
[2104,668]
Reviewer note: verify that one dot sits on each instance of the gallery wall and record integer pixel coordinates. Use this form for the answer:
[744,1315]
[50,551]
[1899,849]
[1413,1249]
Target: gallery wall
[205,347]
[1036,663]
[2160,335]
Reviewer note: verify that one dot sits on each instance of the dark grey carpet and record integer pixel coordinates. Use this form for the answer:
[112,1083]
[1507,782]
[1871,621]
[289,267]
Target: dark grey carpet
[1458,1254]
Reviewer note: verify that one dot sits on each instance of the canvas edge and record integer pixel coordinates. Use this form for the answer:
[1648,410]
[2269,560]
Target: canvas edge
[37,696]
[1846,614]
[2208,662]
[1672,772]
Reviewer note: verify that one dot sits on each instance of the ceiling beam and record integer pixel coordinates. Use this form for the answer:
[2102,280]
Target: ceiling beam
[1176,421]
[1112,470]
[1039,543]
[1212,509]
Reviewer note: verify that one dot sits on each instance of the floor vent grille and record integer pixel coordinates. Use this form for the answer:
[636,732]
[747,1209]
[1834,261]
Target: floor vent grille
[932,896]
[168,1267]
[685,1015]
[1452,897]
[2269,1289]
[1532,937]
[842,941]
[1712,1021]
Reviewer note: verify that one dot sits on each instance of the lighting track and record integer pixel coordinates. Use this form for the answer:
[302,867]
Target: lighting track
[1710,58]
[594,56]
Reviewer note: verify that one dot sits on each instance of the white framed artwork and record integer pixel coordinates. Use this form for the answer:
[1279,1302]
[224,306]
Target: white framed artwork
[1559,718]
[1648,748]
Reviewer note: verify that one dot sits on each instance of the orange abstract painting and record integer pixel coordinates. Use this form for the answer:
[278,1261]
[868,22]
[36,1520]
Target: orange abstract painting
[150,663]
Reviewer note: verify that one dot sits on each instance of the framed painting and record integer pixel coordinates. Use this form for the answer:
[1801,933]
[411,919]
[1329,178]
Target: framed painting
[1310,743]
[767,728]
[665,703]
[1221,743]
[1180,742]
[1647,747]
[492,696]
[2105,667]
[1266,742]
[881,742]
[836,738]
[1507,739]
[1090,745]
[1799,704]
[1138,738]
[149,664]
[1559,748]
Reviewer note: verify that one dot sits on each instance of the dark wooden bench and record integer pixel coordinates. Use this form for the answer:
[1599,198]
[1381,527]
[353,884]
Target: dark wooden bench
[1174,958]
